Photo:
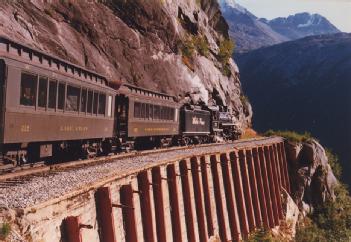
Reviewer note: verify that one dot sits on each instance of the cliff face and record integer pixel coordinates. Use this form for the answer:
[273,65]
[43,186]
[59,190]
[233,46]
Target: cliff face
[135,41]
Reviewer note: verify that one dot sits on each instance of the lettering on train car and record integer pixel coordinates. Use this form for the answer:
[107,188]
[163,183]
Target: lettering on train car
[198,121]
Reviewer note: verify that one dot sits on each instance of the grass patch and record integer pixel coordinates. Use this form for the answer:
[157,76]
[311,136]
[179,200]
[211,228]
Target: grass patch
[5,230]
[289,135]
[261,235]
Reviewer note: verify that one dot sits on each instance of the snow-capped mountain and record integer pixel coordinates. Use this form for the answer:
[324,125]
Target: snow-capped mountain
[246,29]
[301,25]
[250,32]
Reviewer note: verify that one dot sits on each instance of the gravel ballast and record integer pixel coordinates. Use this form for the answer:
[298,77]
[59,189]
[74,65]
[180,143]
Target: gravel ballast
[38,189]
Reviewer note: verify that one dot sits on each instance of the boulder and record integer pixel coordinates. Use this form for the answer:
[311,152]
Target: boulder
[312,179]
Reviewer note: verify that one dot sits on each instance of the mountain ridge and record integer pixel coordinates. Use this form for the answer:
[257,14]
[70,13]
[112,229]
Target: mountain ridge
[310,78]
[250,32]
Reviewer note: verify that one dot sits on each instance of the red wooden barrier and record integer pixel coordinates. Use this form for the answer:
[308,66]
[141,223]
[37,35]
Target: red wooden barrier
[105,215]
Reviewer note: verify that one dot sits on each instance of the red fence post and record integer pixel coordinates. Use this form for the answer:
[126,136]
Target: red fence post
[174,204]
[260,188]
[272,184]
[198,199]
[247,190]
[231,205]
[239,194]
[207,199]
[158,203]
[126,198]
[277,183]
[145,204]
[72,229]
[253,186]
[189,219]
[218,197]
[105,215]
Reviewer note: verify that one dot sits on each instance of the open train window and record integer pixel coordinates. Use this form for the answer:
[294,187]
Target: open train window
[72,98]
[90,101]
[52,94]
[137,107]
[102,104]
[95,102]
[42,92]
[83,101]
[109,106]
[28,89]
[61,96]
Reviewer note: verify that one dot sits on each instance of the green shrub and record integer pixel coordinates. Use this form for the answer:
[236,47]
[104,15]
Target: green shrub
[188,47]
[226,49]
[289,135]
[201,45]
[5,230]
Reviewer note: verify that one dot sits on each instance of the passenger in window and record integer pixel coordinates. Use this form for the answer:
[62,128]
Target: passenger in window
[27,98]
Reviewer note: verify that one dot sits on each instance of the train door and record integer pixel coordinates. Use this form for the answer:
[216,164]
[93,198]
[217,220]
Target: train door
[122,116]
[2,104]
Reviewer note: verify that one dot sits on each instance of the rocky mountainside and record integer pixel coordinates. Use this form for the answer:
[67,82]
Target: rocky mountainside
[251,32]
[302,25]
[303,85]
[138,41]
[248,31]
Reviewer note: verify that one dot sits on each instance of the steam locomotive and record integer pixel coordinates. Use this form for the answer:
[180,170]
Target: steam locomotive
[53,110]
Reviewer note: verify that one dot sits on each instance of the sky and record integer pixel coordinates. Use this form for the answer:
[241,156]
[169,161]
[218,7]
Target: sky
[338,12]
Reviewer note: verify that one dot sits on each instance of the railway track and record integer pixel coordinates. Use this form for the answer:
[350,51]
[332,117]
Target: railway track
[29,170]
[8,172]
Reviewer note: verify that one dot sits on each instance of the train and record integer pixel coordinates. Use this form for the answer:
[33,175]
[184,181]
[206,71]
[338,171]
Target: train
[53,110]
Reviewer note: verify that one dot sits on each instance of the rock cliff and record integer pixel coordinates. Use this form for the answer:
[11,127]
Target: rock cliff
[136,41]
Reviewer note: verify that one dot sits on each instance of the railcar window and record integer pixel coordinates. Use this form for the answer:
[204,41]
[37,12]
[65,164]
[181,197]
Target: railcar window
[162,113]
[28,89]
[147,108]
[156,112]
[137,110]
[102,104]
[83,101]
[142,113]
[109,106]
[95,102]
[151,111]
[90,101]
[173,111]
[52,94]
[42,92]
[72,99]
[61,96]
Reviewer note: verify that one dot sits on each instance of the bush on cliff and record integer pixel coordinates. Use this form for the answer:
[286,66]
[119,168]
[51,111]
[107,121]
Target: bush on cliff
[289,135]
[226,49]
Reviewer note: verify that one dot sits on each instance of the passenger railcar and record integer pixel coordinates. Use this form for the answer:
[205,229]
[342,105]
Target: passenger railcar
[49,106]
[146,118]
